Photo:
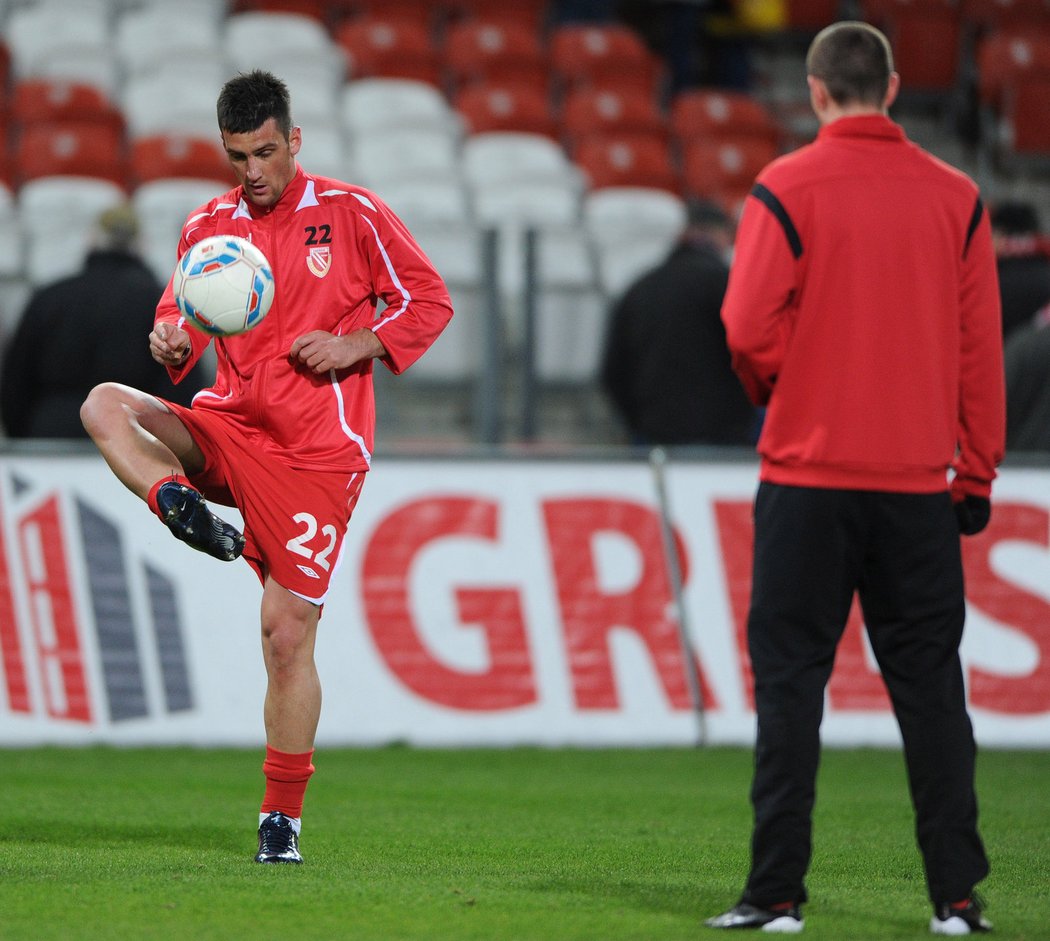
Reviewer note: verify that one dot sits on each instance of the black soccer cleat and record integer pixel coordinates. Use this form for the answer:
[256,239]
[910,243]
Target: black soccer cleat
[783,919]
[186,514]
[278,841]
[959,918]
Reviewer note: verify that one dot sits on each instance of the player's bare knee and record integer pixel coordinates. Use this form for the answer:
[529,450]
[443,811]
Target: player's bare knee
[97,409]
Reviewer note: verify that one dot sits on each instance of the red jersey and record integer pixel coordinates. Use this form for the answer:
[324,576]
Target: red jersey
[863,308]
[335,249]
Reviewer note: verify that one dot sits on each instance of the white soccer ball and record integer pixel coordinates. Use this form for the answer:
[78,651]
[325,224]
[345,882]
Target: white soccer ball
[223,285]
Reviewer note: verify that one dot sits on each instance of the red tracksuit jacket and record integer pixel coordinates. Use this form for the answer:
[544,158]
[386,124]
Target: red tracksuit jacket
[334,248]
[863,309]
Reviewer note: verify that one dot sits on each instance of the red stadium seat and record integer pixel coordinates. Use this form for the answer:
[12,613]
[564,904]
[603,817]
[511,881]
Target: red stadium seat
[529,14]
[39,100]
[163,156]
[481,51]
[587,111]
[599,54]
[993,15]
[926,39]
[713,113]
[627,161]
[70,148]
[724,169]
[389,47]
[1004,57]
[810,16]
[499,106]
[1025,111]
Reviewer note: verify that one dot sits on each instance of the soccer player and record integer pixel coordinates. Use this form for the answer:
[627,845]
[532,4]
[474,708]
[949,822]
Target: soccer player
[863,310]
[286,432]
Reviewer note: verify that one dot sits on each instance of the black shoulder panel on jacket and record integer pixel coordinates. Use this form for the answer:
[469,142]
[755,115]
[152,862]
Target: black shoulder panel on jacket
[776,207]
[975,219]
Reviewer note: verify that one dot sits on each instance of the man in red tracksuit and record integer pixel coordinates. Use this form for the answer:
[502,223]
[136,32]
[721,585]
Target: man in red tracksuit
[285,434]
[863,311]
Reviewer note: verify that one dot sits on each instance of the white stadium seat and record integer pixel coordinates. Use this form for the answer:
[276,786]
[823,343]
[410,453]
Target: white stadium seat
[157,35]
[373,104]
[162,207]
[403,154]
[494,158]
[58,215]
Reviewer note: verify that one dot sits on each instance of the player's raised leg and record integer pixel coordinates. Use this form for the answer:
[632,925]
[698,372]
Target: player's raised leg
[291,713]
[151,452]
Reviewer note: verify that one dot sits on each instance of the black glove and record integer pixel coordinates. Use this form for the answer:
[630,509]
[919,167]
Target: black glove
[972,514]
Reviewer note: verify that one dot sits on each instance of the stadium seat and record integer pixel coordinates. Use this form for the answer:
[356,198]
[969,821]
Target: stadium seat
[633,160]
[724,170]
[618,214]
[603,55]
[527,14]
[36,100]
[986,16]
[315,86]
[166,156]
[810,16]
[1004,57]
[712,113]
[58,215]
[325,151]
[162,206]
[588,111]
[483,51]
[503,158]
[570,309]
[272,40]
[924,66]
[160,34]
[71,148]
[430,14]
[631,229]
[373,104]
[44,29]
[433,202]
[10,238]
[1026,107]
[505,106]
[389,46]
[84,64]
[170,103]
[454,248]
[404,154]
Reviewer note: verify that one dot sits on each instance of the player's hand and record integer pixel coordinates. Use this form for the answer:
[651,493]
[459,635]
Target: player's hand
[972,514]
[169,345]
[320,351]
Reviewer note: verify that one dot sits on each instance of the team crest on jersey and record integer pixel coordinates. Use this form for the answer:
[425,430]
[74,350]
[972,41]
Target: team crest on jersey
[319,260]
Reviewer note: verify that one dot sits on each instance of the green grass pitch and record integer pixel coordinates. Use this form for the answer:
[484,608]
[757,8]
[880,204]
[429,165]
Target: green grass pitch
[492,844]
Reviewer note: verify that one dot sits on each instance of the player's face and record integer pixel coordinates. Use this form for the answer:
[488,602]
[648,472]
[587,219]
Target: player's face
[263,160]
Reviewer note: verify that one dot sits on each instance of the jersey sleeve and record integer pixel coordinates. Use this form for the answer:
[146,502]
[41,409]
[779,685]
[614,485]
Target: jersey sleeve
[417,301]
[982,384]
[758,305]
[168,311]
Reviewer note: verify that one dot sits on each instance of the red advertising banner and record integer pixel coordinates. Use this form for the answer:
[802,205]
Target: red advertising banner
[477,602]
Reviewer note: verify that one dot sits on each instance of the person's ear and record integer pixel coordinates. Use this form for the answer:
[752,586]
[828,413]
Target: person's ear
[892,88]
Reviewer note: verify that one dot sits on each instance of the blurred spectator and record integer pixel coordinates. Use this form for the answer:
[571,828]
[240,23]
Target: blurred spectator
[77,332]
[666,367]
[1026,359]
[1023,255]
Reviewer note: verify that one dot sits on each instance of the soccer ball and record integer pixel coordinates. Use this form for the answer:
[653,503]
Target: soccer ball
[223,285]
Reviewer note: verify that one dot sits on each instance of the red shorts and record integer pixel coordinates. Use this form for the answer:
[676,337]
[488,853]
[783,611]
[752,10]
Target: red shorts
[294,518]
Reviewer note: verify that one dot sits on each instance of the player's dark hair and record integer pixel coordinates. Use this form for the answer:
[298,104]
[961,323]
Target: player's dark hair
[250,99]
[854,61]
